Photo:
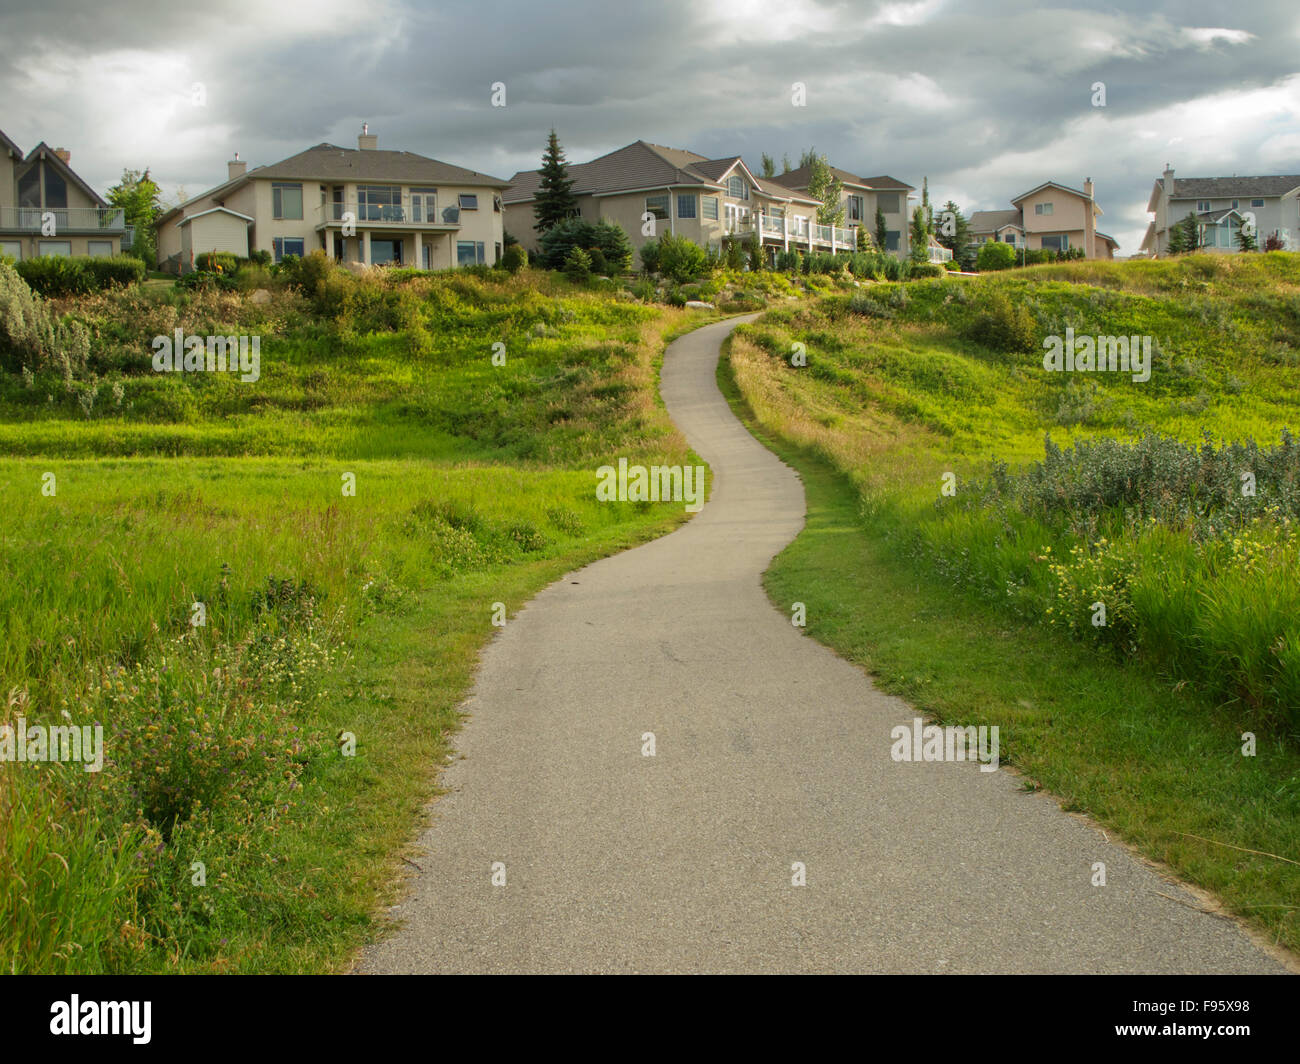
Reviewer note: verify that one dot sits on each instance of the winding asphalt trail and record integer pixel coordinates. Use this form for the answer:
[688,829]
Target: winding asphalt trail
[770,750]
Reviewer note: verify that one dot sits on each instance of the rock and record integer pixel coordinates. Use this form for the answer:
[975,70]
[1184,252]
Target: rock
[698,304]
[261,297]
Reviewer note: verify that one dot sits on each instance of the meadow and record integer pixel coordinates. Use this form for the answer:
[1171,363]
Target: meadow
[271,595]
[977,510]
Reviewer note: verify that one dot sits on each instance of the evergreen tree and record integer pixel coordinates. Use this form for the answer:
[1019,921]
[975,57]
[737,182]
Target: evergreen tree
[956,240]
[1247,240]
[769,166]
[920,237]
[555,200]
[141,203]
[882,230]
[925,206]
[864,238]
[785,163]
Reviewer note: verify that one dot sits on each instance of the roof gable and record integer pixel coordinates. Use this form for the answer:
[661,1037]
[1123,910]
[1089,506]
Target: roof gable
[45,152]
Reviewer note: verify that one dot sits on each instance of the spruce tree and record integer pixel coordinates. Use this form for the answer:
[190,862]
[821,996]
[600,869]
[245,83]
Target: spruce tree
[555,200]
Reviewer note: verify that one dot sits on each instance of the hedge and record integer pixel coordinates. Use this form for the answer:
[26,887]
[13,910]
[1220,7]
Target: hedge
[55,275]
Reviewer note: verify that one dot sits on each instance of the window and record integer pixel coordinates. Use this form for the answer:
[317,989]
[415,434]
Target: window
[56,189]
[423,204]
[497,249]
[60,248]
[469,252]
[102,248]
[686,205]
[657,205]
[1257,203]
[29,188]
[711,208]
[496,206]
[736,187]
[379,203]
[286,201]
[887,202]
[11,248]
[1202,205]
[855,208]
[287,245]
[891,239]
[1236,204]
[1042,208]
[468,201]
[1057,242]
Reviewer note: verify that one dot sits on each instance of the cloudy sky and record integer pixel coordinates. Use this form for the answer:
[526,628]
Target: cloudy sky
[986,99]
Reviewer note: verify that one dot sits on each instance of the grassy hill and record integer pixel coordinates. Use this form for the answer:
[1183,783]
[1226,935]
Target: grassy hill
[978,508]
[233,828]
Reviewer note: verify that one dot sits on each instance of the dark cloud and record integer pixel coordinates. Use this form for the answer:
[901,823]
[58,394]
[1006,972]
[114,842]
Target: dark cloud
[987,100]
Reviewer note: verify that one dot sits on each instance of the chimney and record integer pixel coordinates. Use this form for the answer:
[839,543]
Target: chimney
[367,141]
[64,155]
[1087,187]
[1169,180]
[235,168]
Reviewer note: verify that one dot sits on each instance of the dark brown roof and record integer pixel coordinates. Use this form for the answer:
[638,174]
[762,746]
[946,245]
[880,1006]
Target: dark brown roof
[1228,187]
[9,145]
[641,165]
[43,150]
[328,162]
[799,178]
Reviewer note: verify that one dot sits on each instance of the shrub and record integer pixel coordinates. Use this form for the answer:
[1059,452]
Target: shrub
[201,279]
[32,338]
[578,265]
[680,259]
[51,275]
[995,255]
[926,269]
[1004,326]
[571,233]
[118,271]
[644,290]
[514,258]
[216,262]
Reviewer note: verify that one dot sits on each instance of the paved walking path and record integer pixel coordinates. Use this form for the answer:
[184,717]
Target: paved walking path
[770,750]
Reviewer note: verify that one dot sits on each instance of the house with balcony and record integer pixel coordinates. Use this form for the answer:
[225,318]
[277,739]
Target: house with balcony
[47,209]
[649,190]
[1221,206]
[361,205]
[1051,216]
[860,198]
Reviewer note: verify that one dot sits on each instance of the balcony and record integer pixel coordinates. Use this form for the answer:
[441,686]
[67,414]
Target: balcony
[109,220]
[412,212]
[798,230]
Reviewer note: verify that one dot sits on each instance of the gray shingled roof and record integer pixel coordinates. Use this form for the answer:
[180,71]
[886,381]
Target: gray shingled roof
[328,162]
[799,177]
[642,165]
[1229,187]
[992,221]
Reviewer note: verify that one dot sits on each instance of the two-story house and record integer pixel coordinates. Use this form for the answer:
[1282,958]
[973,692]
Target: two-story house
[363,205]
[1221,206]
[860,198]
[1051,216]
[47,209]
[649,190]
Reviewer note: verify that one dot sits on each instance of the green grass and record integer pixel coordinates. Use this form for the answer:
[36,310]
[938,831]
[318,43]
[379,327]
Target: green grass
[326,613]
[956,603]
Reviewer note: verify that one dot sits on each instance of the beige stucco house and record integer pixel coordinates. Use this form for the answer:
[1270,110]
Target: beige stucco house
[46,209]
[359,204]
[649,190]
[1051,216]
[1221,206]
[860,198]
